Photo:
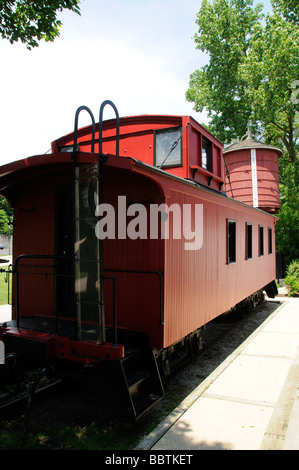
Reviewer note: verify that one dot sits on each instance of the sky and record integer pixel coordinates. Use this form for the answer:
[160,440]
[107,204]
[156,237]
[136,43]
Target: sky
[137,54]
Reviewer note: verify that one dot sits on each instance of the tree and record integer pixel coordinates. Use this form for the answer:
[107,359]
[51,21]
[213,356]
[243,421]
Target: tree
[287,227]
[289,9]
[225,32]
[30,21]
[271,72]
[250,76]
[6,213]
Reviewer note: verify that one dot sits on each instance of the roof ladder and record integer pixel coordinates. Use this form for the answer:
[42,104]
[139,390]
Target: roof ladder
[87,252]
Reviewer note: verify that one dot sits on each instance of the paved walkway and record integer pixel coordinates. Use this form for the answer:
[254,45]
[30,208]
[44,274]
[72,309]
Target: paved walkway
[250,402]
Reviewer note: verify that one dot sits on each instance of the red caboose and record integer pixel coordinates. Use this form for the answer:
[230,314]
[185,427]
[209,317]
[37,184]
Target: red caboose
[124,230]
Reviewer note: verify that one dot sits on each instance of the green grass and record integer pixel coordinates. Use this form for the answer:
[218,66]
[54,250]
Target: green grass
[66,437]
[4,287]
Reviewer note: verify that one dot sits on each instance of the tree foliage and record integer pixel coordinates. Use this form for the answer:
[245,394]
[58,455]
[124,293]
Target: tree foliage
[287,227]
[225,33]
[289,9]
[271,73]
[30,21]
[292,278]
[250,75]
[6,214]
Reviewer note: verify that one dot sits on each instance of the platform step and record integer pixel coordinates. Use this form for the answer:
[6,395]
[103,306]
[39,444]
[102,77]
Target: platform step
[144,405]
[137,378]
[141,379]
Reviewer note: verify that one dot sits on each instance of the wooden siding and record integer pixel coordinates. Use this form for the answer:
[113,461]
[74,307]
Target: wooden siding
[200,285]
[134,264]
[34,218]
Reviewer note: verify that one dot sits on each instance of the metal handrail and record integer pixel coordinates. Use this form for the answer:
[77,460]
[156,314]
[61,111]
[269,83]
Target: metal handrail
[85,108]
[55,274]
[101,127]
[15,271]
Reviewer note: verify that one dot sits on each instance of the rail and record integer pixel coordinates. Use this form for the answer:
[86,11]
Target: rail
[55,274]
[113,279]
[83,108]
[101,127]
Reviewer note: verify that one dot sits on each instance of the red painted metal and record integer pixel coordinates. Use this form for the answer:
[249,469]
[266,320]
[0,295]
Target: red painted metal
[64,348]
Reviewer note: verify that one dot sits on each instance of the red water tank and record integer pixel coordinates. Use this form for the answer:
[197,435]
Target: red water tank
[252,173]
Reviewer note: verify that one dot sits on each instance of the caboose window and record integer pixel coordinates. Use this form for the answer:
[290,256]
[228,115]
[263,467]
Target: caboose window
[269,240]
[231,230]
[261,240]
[248,240]
[206,154]
[168,147]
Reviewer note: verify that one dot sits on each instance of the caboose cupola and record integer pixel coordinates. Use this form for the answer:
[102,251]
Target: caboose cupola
[178,145]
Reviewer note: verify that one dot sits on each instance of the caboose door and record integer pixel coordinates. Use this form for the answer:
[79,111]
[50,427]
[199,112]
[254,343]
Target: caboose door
[87,255]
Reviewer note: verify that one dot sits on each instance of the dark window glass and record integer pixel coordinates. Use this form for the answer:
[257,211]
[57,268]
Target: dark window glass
[269,240]
[206,155]
[248,241]
[231,241]
[261,240]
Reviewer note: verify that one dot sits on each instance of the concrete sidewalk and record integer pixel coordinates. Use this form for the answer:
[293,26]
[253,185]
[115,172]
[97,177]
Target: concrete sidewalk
[250,402]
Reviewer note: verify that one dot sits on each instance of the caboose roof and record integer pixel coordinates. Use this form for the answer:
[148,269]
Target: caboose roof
[13,175]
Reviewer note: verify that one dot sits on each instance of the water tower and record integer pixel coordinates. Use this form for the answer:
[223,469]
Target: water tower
[252,173]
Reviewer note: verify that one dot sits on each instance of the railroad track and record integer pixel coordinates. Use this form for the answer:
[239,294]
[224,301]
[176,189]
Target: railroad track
[7,399]
[25,394]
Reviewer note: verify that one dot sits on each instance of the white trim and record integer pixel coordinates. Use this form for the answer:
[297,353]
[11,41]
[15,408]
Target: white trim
[254,179]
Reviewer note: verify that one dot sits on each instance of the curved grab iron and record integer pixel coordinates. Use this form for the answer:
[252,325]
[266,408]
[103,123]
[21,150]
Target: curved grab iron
[81,108]
[101,126]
